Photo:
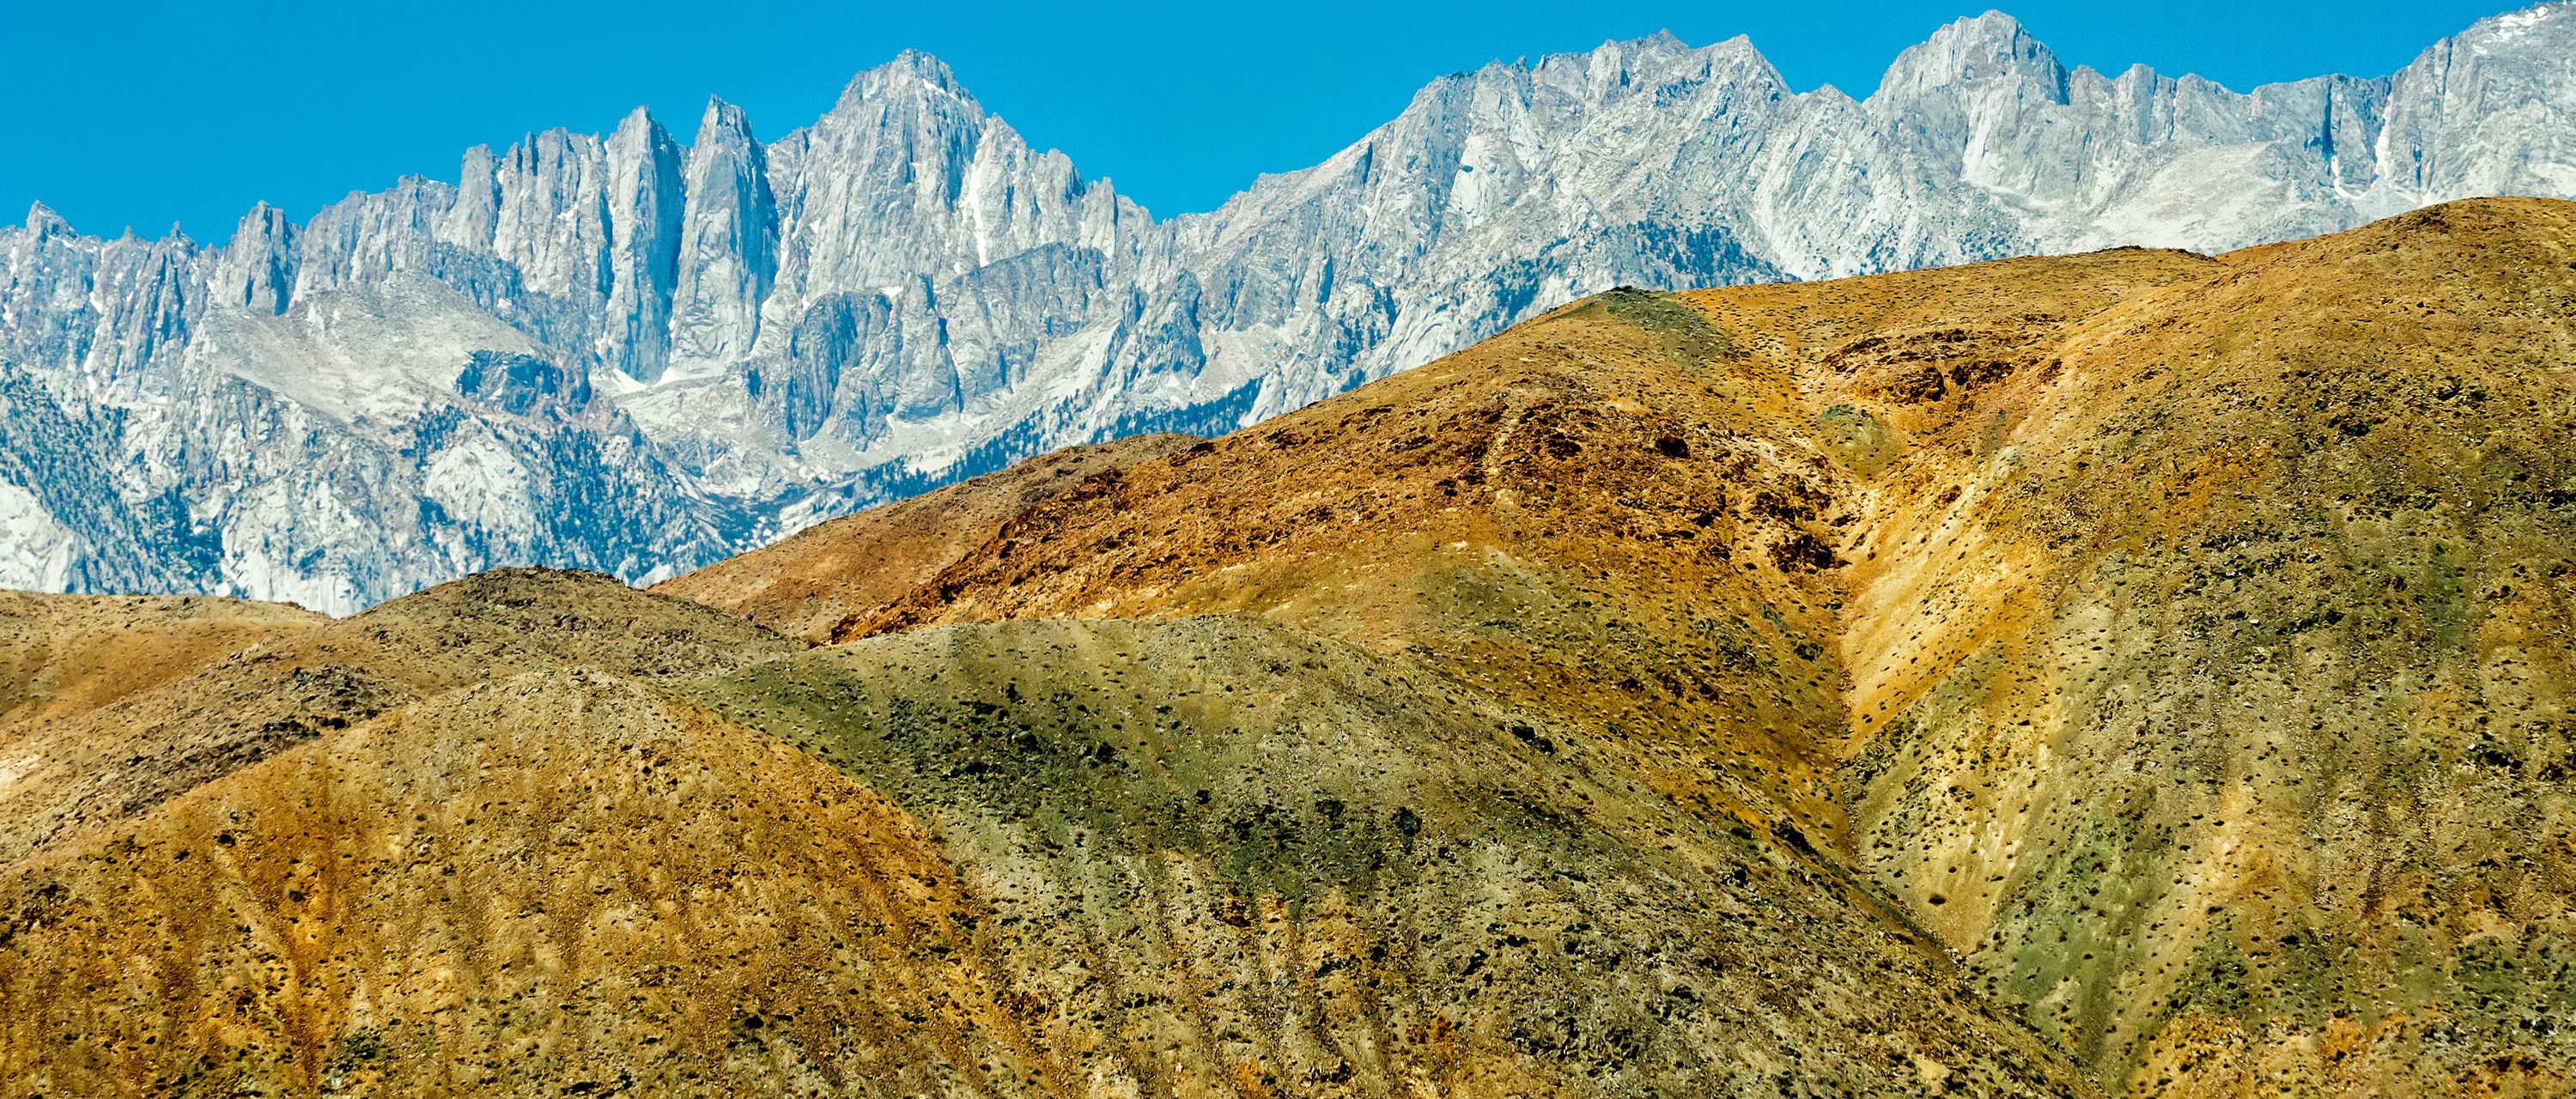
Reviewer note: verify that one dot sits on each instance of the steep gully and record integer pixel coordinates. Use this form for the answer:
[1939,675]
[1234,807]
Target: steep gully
[2203,650]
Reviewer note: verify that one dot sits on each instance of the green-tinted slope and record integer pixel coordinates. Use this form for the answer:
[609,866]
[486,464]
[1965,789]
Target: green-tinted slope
[2213,660]
[1225,856]
[560,883]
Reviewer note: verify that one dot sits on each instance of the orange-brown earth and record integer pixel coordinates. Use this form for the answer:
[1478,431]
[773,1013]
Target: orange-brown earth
[2196,629]
[207,687]
[2219,719]
[825,573]
[2129,673]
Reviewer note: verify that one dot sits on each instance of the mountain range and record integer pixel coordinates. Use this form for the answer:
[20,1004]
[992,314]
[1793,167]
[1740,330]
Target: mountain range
[2136,673]
[627,354]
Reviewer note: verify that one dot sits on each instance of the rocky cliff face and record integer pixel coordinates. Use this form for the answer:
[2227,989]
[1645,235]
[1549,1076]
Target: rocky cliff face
[698,349]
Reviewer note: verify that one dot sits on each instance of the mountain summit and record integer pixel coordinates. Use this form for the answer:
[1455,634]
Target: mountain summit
[735,339]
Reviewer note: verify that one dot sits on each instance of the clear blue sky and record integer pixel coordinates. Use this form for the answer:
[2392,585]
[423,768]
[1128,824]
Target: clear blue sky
[147,113]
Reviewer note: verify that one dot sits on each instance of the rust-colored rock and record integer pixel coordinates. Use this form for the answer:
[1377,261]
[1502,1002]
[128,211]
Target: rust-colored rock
[812,580]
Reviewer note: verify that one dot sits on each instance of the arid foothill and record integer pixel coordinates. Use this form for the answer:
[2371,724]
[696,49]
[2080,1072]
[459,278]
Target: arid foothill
[2130,673]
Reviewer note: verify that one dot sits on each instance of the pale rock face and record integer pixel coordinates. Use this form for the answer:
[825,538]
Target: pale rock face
[35,551]
[626,354]
[648,201]
[2489,111]
[727,248]
[256,274]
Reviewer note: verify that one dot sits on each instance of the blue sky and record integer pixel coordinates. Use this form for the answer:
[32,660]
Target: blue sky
[147,113]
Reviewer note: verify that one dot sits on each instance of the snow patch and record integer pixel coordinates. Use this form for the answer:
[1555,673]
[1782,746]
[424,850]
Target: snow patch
[35,550]
[2514,25]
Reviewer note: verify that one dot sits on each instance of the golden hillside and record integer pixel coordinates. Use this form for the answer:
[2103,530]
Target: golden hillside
[2196,627]
[2132,673]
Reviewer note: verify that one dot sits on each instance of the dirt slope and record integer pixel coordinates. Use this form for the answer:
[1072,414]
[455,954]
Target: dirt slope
[68,769]
[2129,673]
[1320,872]
[2209,663]
[1229,857]
[806,584]
[1616,514]
[559,883]
[1600,558]
[65,654]
[2192,631]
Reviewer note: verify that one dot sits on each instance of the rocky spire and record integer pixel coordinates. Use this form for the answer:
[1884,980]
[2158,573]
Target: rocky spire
[257,270]
[727,255]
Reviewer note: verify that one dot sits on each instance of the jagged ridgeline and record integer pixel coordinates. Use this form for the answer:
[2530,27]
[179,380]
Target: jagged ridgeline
[2137,673]
[704,347]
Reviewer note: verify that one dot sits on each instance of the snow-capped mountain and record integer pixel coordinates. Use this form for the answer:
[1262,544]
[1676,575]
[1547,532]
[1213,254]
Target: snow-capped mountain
[635,355]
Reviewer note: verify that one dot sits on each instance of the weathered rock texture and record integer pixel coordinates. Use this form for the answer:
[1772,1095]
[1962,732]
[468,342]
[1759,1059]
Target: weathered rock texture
[622,354]
[2129,673]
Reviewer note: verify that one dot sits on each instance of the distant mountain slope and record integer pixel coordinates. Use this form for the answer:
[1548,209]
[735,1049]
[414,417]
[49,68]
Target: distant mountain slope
[625,354]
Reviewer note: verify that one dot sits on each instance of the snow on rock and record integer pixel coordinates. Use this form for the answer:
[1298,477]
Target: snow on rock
[628,354]
[35,551]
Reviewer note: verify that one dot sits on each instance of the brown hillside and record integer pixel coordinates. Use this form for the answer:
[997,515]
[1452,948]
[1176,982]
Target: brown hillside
[2210,679]
[812,580]
[65,654]
[2132,673]
[2192,632]
[1616,513]
[1226,856]
[75,769]
[557,883]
